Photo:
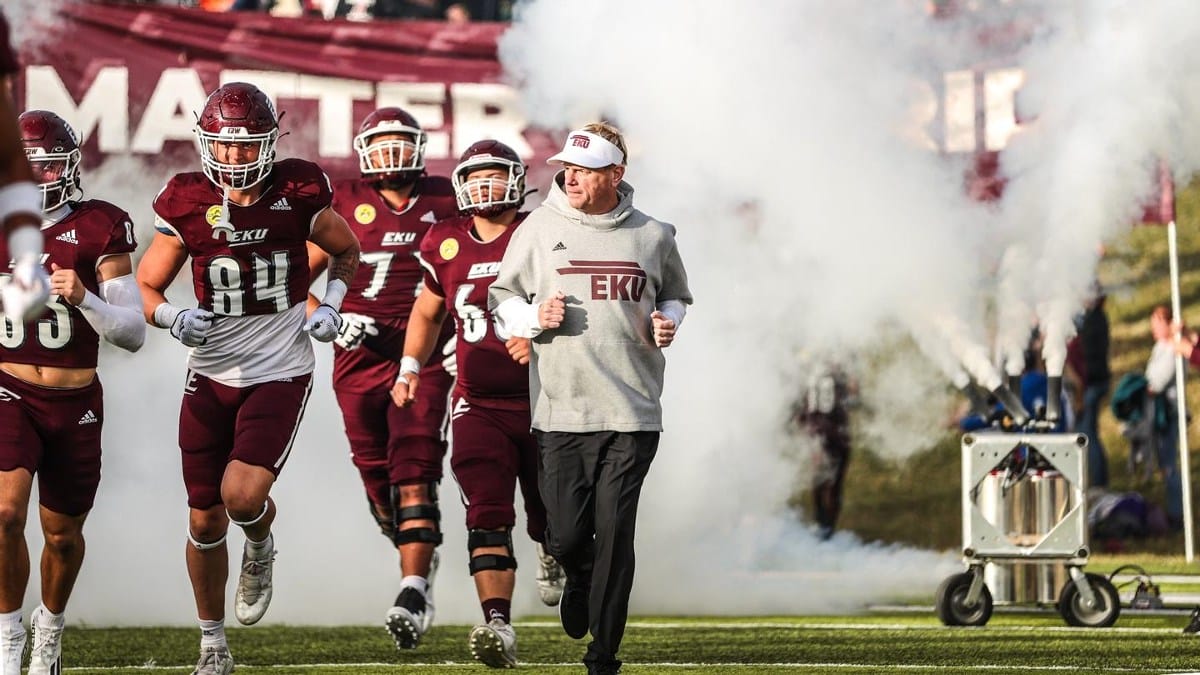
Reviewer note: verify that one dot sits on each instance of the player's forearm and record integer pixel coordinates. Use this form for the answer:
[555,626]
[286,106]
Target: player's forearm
[116,314]
[21,216]
[344,264]
[420,337]
[518,318]
[152,297]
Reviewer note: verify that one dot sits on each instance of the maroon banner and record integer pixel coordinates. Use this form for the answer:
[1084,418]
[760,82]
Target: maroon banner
[129,78]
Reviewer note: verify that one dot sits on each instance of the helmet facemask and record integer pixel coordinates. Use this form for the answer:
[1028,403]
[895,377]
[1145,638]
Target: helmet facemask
[400,158]
[237,176]
[57,174]
[492,195]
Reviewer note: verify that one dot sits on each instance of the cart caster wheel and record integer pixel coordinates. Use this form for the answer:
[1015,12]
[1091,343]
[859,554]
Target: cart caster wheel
[950,602]
[1077,613]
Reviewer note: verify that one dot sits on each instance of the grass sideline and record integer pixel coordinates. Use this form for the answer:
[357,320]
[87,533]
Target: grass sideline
[1013,642]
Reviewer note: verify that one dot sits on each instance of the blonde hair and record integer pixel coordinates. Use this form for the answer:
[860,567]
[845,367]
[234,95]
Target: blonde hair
[611,134]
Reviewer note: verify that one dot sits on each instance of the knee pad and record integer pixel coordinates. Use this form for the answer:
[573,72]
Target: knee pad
[205,546]
[248,523]
[413,535]
[490,561]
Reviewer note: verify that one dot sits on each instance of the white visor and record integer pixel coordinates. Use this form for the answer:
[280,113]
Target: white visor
[583,148]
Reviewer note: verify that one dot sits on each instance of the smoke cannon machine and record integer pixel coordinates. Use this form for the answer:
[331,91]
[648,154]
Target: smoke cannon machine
[1024,519]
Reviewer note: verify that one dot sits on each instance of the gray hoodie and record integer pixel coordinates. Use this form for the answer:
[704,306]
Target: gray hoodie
[600,370]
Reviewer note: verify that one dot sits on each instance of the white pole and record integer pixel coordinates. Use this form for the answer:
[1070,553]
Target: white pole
[1185,474]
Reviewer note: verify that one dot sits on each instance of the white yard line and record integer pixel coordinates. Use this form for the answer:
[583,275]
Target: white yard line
[574,664]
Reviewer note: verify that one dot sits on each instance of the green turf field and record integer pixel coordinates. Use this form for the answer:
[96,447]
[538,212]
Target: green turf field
[908,642]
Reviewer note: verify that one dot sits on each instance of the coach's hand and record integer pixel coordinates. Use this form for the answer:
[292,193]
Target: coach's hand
[663,328]
[552,311]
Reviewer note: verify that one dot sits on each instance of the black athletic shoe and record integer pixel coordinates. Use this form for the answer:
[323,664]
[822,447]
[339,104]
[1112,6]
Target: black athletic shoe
[573,608]
[1193,623]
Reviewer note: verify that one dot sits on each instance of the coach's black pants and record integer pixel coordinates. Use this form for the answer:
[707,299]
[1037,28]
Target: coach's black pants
[591,483]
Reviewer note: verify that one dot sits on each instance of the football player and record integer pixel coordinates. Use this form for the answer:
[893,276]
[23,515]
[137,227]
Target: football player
[243,222]
[51,404]
[24,294]
[494,450]
[398,452]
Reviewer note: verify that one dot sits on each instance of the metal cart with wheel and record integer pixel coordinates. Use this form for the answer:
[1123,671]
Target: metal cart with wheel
[995,465]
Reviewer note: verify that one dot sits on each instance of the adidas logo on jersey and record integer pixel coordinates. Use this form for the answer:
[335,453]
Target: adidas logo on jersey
[68,236]
[281,205]
[429,217]
[559,247]
[89,417]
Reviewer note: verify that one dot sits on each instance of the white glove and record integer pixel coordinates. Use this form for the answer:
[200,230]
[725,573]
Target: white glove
[355,328]
[191,326]
[26,292]
[324,324]
[450,362]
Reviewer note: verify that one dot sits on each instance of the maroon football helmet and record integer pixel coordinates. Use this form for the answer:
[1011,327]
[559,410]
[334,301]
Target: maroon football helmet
[399,160]
[237,113]
[52,148]
[489,196]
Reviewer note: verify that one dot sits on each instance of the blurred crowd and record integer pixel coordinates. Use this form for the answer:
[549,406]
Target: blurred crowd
[453,11]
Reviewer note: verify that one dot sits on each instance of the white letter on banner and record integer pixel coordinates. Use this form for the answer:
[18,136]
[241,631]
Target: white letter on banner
[105,104]
[424,101]
[959,110]
[171,112]
[473,120]
[335,97]
[999,95]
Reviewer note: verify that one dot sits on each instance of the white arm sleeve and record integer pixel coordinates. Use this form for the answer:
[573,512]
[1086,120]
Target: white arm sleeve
[518,317]
[674,309]
[118,316]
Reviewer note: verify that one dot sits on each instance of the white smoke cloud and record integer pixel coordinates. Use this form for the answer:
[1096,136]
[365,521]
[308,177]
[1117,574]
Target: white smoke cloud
[803,110]
[1112,87]
[779,136]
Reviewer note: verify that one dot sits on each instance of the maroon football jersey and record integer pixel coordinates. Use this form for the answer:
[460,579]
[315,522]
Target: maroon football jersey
[8,57]
[389,274]
[256,263]
[61,337]
[462,269]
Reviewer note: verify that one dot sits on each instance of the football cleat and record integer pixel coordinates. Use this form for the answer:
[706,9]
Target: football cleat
[434,561]
[494,644]
[406,619]
[254,588]
[550,577]
[214,661]
[46,656]
[12,647]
